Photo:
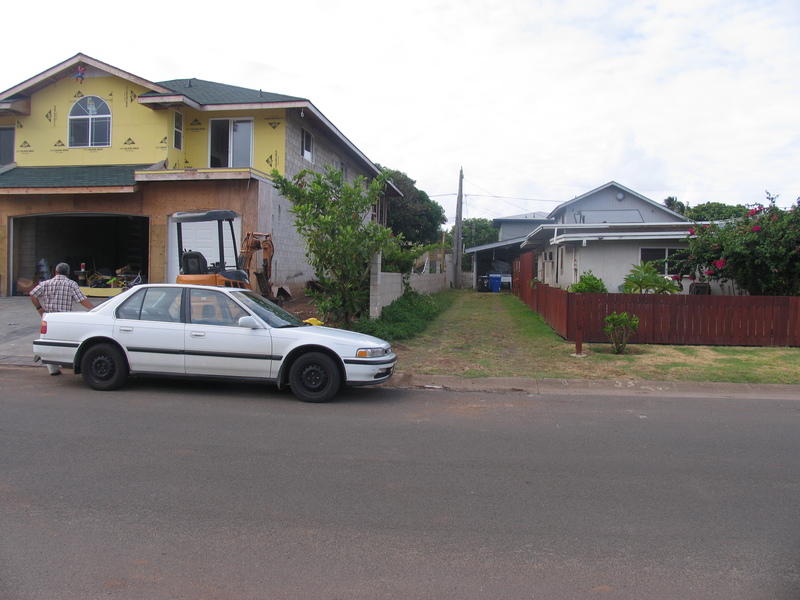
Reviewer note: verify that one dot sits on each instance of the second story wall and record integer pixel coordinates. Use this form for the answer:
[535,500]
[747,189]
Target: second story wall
[260,133]
[138,135]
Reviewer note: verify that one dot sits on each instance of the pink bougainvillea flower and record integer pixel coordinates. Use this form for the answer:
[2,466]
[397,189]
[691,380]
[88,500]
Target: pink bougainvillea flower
[709,272]
[691,232]
[756,227]
[720,264]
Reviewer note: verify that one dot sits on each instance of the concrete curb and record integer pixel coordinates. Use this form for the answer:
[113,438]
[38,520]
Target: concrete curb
[593,387]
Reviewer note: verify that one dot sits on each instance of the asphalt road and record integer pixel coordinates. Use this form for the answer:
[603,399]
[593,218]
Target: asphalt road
[172,490]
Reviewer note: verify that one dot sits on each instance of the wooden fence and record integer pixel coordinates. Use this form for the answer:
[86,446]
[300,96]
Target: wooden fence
[665,318]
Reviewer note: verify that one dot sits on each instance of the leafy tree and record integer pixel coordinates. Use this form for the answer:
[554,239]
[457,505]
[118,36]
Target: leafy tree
[715,211]
[674,205]
[414,216]
[759,250]
[330,214]
[589,283]
[474,232]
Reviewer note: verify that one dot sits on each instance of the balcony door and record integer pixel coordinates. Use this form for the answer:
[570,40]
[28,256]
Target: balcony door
[231,143]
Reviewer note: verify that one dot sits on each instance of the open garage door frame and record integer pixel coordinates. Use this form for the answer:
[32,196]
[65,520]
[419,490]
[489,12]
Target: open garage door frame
[200,237]
[105,242]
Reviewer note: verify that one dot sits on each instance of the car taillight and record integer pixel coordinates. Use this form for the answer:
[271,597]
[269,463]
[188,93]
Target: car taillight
[43,330]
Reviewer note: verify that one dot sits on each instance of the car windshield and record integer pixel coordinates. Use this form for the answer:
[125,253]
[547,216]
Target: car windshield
[273,314]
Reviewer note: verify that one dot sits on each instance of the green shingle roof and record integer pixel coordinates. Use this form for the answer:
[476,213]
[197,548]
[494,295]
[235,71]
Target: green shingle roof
[61,177]
[209,92]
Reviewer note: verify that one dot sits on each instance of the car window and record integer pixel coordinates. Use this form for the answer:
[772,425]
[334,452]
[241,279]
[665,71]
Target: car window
[132,307]
[213,308]
[162,304]
[271,313]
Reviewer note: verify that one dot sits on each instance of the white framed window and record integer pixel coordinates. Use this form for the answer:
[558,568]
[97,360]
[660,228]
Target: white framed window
[90,123]
[307,146]
[230,143]
[177,138]
[670,256]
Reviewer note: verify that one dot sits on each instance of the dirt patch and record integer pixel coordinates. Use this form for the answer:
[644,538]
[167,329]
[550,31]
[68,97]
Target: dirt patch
[303,307]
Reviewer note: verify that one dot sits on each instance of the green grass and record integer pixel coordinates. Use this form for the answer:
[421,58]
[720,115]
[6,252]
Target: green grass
[496,335]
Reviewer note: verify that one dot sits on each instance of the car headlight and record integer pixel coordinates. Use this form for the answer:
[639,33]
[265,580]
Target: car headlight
[372,352]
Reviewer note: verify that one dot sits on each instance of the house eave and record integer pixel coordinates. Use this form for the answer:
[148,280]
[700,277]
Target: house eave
[46,191]
[66,69]
[15,106]
[549,234]
[147,175]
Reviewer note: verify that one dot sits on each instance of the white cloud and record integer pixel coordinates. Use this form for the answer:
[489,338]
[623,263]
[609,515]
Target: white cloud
[538,99]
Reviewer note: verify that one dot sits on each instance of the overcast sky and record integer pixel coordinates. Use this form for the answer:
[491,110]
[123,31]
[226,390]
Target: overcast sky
[538,100]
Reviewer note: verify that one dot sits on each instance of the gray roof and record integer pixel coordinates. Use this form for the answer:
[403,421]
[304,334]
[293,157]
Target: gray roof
[65,177]
[512,243]
[209,92]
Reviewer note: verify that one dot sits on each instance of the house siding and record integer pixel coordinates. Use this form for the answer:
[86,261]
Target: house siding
[143,135]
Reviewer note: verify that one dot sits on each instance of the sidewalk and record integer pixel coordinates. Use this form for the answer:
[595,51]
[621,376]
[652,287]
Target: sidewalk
[19,326]
[20,323]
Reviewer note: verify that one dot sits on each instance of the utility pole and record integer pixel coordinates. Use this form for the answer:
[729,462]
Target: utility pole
[457,233]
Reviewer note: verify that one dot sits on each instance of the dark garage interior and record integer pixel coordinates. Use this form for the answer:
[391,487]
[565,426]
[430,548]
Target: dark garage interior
[104,243]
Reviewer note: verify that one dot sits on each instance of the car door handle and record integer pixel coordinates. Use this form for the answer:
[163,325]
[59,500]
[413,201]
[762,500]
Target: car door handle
[125,329]
[197,334]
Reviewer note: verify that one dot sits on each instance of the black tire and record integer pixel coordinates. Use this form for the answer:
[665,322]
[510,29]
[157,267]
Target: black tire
[104,367]
[314,377]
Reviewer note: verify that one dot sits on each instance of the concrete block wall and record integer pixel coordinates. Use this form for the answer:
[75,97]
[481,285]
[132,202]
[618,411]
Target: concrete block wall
[290,267]
[385,288]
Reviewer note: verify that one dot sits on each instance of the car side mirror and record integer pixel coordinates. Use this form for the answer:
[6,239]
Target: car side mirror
[250,323]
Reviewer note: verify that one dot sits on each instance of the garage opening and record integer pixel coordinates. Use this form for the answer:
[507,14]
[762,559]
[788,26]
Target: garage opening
[104,243]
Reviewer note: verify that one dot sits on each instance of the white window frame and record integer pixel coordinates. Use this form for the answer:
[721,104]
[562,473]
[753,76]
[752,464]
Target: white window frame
[307,145]
[231,122]
[667,268]
[93,120]
[177,136]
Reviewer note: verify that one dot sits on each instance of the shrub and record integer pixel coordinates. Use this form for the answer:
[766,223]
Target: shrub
[589,283]
[407,316]
[619,328]
[645,279]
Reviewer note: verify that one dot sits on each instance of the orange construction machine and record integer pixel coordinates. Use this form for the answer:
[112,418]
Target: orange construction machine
[195,269]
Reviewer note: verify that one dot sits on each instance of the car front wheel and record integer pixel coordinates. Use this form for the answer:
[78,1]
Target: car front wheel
[314,377]
[103,367]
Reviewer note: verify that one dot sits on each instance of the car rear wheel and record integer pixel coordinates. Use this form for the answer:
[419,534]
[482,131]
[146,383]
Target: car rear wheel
[314,377]
[104,367]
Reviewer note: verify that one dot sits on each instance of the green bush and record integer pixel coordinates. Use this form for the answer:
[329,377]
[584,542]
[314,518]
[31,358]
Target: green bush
[644,278]
[619,328]
[407,316]
[589,283]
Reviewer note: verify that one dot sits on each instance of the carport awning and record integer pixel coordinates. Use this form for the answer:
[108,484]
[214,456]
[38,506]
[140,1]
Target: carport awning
[69,179]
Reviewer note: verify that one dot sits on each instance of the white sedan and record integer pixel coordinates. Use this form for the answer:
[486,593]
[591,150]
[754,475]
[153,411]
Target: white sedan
[202,331]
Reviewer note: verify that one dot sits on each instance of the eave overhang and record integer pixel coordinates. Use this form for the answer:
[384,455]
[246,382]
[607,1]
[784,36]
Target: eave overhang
[15,106]
[554,235]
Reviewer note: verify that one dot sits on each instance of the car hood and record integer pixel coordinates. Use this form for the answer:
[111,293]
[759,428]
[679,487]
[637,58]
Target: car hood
[333,336]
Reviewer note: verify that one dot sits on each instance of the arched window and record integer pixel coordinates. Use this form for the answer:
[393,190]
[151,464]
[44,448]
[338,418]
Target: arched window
[90,123]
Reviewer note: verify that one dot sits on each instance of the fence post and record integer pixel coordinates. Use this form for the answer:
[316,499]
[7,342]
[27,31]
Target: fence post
[578,327]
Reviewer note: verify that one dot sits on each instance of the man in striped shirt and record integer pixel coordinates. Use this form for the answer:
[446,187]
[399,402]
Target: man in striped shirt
[57,295]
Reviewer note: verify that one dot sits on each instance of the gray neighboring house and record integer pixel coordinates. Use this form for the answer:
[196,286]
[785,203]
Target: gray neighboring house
[607,230]
[498,257]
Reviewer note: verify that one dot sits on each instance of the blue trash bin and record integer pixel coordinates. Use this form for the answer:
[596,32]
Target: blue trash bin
[494,283]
